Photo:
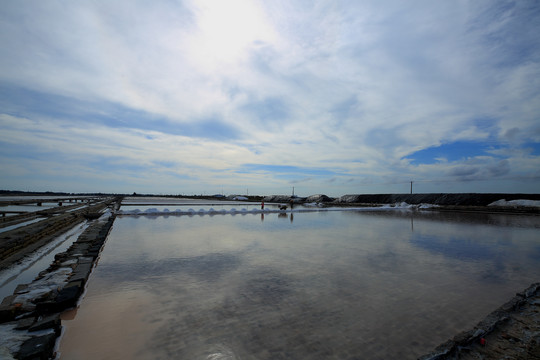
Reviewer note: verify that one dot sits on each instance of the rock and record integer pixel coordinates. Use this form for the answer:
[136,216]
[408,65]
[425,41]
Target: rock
[24,324]
[39,347]
[8,300]
[68,296]
[478,333]
[46,307]
[530,291]
[79,248]
[47,322]
[513,304]
[21,289]
[9,312]
[81,272]
[5,354]
[463,337]
[60,256]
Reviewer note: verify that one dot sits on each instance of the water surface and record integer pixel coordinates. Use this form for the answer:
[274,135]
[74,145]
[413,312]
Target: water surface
[321,285]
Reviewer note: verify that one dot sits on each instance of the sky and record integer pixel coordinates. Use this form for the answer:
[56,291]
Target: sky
[257,97]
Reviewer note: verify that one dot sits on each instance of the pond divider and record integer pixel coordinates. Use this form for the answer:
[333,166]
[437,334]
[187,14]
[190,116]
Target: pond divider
[517,316]
[32,313]
[17,243]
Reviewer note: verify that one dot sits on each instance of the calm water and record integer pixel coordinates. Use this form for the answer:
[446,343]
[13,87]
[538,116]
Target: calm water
[321,285]
[27,208]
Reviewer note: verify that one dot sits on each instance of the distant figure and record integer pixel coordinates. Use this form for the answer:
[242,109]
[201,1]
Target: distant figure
[292,203]
[262,205]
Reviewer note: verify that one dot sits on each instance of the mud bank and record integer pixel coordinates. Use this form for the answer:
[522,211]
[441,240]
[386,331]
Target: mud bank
[510,332]
[30,318]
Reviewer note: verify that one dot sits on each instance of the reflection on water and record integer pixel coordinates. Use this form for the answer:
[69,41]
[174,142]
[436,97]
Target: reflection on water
[328,285]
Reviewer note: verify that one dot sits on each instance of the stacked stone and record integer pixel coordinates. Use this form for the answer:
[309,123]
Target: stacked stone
[41,315]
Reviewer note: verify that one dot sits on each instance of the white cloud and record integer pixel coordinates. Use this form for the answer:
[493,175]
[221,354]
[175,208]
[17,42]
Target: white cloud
[354,87]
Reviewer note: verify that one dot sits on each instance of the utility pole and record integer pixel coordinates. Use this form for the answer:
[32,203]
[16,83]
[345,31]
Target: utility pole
[293,191]
[411,186]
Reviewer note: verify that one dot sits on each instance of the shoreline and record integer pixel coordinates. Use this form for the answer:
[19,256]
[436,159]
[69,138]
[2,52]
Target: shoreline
[30,317]
[38,316]
[511,331]
[17,243]
[34,310]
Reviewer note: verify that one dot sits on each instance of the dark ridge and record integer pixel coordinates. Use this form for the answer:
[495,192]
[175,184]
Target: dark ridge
[463,199]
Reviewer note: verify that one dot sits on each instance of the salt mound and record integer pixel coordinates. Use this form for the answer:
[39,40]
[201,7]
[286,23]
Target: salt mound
[516,203]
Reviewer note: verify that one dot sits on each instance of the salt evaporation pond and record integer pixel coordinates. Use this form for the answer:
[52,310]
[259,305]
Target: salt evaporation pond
[314,285]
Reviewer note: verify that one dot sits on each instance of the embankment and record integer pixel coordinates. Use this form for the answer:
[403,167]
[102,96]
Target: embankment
[476,202]
[16,243]
[443,199]
[30,318]
[510,332]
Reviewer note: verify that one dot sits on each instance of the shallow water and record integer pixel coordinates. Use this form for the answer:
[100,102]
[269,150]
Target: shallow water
[27,208]
[320,285]
[196,207]
[20,225]
[28,268]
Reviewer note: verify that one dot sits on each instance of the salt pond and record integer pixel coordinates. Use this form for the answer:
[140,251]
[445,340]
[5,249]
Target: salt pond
[306,285]
[27,269]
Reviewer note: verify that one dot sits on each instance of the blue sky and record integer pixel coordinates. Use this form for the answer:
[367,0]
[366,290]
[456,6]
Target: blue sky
[333,97]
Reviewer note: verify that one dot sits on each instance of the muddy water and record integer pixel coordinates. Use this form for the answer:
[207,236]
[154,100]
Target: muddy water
[329,285]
